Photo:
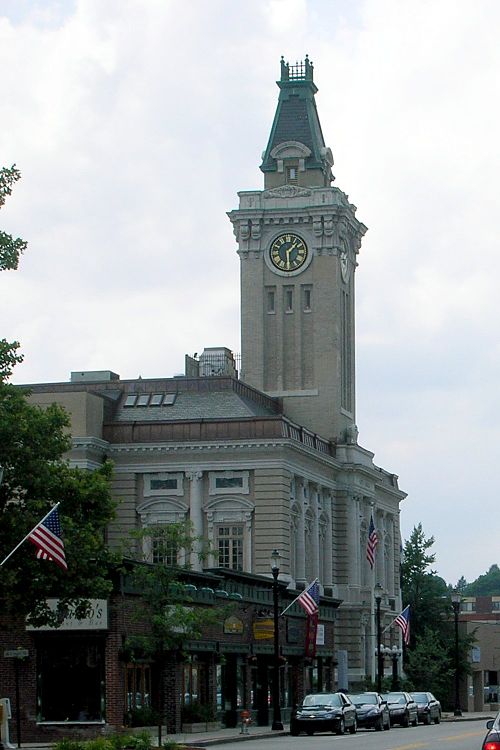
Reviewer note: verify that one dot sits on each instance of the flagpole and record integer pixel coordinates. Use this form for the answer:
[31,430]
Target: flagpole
[292,603]
[29,534]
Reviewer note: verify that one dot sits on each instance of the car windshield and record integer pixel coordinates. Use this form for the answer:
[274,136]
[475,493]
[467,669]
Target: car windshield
[419,697]
[360,700]
[322,700]
[394,698]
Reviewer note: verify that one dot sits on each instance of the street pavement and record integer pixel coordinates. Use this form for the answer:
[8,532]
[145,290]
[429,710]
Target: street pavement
[235,734]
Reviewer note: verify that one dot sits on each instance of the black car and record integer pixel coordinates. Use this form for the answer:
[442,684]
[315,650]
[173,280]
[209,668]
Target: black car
[492,739]
[324,712]
[372,711]
[402,708]
[428,708]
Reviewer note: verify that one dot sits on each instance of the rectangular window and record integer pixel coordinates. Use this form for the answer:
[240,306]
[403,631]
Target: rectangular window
[78,662]
[307,299]
[292,175]
[137,688]
[230,547]
[228,482]
[271,302]
[288,300]
[156,399]
[163,484]
[131,399]
[164,552]
[143,399]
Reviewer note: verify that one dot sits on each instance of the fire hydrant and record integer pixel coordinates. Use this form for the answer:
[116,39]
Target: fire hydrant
[246,720]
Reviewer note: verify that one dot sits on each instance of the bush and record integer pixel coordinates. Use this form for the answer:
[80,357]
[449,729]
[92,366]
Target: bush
[195,712]
[140,741]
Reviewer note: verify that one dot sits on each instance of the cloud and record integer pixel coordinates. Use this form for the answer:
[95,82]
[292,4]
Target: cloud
[134,126]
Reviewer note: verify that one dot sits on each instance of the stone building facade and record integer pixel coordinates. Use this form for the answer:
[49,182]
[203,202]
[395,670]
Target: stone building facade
[266,458]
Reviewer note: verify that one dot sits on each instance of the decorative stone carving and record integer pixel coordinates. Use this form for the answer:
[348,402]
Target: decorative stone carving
[286,191]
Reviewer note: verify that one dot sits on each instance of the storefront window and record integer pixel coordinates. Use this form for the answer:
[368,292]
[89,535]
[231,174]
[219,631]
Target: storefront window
[71,680]
[137,687]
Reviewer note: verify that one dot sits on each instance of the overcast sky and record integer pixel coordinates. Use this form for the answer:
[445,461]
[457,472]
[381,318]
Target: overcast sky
[134,124]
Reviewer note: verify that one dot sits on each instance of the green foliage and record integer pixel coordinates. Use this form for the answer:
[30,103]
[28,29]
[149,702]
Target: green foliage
[430,657]
[10,247]
[141,741]
[142,717]
[487,584]
[8,358]
[36,475]
[421,588]
[195,712]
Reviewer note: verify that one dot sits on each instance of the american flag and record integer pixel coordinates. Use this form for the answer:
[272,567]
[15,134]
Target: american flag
[403,622]
[309,598]
[372,543]
[47,537]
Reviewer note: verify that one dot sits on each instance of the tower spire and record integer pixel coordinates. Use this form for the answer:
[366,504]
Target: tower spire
[296,151]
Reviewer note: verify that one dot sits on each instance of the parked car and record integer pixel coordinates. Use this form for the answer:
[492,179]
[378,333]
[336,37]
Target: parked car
[324,712]
[428,707]
[402,708]
[372,711]
[492,739]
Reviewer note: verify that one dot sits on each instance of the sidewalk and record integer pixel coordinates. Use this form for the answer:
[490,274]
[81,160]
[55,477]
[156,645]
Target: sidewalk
[234,734]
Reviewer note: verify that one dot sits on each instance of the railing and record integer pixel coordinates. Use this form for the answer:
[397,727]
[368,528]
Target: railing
[301,71]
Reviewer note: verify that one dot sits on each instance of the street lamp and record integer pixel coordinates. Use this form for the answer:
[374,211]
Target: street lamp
[275,570]
[378,592]
[455,603]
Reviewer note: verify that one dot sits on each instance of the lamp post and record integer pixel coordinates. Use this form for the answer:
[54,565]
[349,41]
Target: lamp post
[455,603]
[395,653]
[380,657]
[275,570]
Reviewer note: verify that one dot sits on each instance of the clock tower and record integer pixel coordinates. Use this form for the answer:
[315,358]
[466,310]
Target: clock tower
[297,241]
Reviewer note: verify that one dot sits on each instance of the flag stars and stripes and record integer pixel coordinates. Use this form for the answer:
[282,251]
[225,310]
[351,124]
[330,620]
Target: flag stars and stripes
[47,537]
[372,542]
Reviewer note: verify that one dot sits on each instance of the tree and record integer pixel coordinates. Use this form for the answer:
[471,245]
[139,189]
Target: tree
[10,247]
[422,589]
[487,584]
[164,600]
[430,657]
[36,475]
[10,250]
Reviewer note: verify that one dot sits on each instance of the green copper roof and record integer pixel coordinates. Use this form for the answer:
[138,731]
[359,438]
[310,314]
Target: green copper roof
[296,117]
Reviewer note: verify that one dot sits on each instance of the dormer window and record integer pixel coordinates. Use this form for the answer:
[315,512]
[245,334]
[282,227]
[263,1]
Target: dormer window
[292,174]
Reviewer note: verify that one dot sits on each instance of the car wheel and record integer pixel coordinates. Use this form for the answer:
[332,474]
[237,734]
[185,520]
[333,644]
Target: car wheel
[294,731]
[406,721]
[310,732]
[437,719]
[427,719]
[379,725]
[341,727]
[354,727]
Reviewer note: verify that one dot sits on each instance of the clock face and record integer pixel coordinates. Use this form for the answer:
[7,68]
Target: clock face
[288,252]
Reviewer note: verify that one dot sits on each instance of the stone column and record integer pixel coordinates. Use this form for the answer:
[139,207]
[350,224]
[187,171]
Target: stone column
[300,577]
[328,540]
[378,520]
[390,566]
[196,515]
[353,536]
[315,506]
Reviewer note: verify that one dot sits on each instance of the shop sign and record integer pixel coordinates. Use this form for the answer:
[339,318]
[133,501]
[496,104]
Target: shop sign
[233,625]
[97,619]
[263,630]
